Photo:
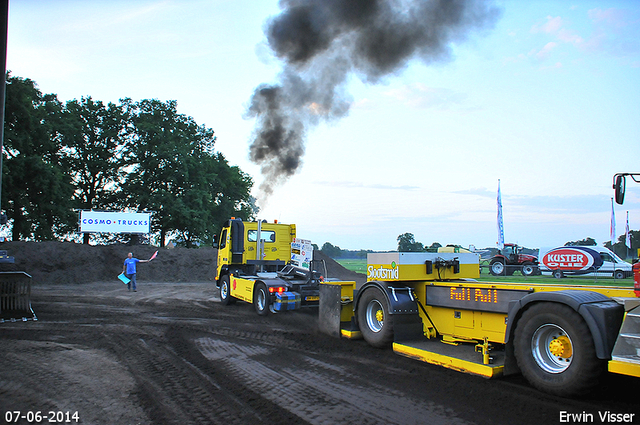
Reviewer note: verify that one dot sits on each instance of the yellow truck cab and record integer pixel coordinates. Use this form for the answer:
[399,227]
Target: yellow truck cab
[265,264]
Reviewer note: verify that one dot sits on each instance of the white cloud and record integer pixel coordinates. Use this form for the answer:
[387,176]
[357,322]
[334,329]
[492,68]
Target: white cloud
[611,16]
[419,95]
[364,103]
[611,33]
[360,185]
[550,27]
[545,52]
[567,36]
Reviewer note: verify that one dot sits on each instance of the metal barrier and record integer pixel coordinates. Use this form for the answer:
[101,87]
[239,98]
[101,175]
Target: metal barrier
[15,297]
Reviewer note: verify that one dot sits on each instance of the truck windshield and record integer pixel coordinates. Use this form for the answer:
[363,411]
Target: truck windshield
[223,239]
[614,258]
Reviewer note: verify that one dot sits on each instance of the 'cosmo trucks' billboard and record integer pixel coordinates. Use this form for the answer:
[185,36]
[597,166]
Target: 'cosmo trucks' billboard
[114,222]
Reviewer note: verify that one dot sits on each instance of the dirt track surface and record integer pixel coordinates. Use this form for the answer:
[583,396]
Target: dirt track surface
[173,354]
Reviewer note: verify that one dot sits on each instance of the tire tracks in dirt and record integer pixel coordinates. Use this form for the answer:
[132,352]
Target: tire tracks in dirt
[172,355]
[317,391]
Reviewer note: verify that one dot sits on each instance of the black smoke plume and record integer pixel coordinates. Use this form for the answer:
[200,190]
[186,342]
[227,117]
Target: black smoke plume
[322,42]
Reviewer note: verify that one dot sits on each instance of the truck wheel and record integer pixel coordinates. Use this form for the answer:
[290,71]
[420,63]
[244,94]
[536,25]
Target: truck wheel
[376,324]
[558,274]
[555,350]
[261,299]
[225,291]
[618,274]
[497,268]
[527,269]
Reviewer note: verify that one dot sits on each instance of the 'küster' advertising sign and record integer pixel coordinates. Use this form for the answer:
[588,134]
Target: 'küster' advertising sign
[574,259]
[114,222]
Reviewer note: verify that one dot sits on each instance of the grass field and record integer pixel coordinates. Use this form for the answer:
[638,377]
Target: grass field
[360,266]
[577,280]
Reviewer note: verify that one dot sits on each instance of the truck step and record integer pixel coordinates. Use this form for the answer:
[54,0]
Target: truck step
[462,357]
[625,358]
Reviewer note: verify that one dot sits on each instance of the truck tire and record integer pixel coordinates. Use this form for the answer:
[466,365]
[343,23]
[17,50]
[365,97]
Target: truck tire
[376,324]
[261,299]
[497,268]
[225,291]
[555,351]
[618,274]
[527,269]
[558,274]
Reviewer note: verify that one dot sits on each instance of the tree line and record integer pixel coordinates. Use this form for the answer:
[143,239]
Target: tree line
[62,157]
[407,243]
[620,247]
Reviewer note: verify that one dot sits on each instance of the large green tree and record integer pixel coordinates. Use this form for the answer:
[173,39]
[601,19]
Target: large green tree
[177,175]
[622,249]
[226,191]
[94,151]
[134,155]
[407,243]
[582,242]
[36,192]
[332,251]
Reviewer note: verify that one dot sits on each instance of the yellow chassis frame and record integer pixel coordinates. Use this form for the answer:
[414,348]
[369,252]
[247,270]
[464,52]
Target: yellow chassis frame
[459,326]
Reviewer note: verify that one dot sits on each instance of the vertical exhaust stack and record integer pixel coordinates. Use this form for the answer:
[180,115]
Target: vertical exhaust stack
[321,43]
[259,246]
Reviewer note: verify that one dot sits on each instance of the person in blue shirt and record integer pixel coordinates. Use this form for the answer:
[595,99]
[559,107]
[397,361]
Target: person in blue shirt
[129,270]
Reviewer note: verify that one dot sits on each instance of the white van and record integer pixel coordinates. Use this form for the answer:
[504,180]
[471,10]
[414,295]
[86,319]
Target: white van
[582,260]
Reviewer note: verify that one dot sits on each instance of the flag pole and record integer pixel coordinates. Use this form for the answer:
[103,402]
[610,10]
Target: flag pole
[627,236]
[612,227]
[500,222]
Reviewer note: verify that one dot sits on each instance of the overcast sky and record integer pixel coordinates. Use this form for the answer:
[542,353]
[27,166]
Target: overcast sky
[545,98]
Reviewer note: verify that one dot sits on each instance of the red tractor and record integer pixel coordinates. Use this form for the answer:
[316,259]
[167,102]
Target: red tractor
[510,259]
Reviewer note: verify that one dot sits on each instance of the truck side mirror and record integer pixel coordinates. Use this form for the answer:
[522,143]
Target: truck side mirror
[619,188]
[215,241]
